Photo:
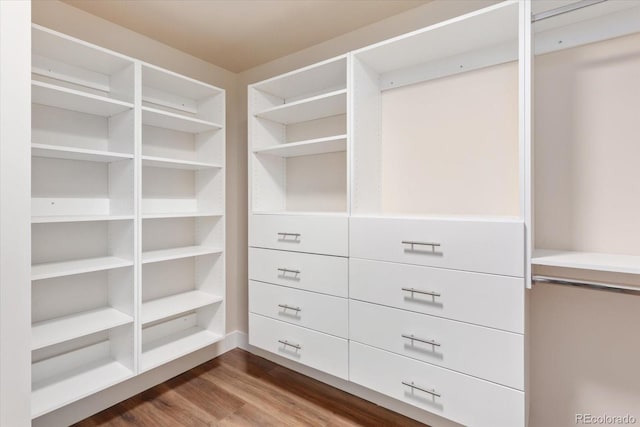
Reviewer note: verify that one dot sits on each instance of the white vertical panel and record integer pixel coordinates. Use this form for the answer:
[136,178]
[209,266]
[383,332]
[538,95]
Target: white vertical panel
[15,239]
[526,133]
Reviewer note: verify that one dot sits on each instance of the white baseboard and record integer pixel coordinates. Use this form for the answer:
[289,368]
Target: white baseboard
[104,399]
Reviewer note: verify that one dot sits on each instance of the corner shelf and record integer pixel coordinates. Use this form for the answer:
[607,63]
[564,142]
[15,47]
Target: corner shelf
[74,100]
[316,107]
[67,268]
[73,153]
[164,162]
[167,120]
[55,331]
[176,345]
[330,144]
[612,263]
[177,253]
[162,308]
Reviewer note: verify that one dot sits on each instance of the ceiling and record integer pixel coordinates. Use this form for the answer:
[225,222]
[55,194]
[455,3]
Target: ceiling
[241,34]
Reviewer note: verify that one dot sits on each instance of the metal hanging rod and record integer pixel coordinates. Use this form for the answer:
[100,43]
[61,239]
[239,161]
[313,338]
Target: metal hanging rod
[564,9]
[599,286]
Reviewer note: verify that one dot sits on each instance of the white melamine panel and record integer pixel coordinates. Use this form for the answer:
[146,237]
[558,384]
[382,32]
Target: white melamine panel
[495,247]
[315,349]
[481,352]
[587,261]
[300,233]
[77,218]
[311,310]
[317,107]
[482,299]
[163,162]
[310,272]
[74,100]
[72,153]
[324,145]
[65,268]
[463,399]
[177,253]
[172,305]
[178,122]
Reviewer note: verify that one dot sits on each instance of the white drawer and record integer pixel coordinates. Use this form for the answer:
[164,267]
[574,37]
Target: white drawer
[463,399]
[317,350]
[323,313]
[483,299]
[495,247]
[302,233]
[318,273]
[490,354]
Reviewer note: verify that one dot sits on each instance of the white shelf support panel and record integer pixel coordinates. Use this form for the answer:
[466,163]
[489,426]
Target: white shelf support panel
[78,218]
[55,331]
[74,100]
[72,153]
[179,122]
[161,308]
[330,144]
[162,162]
[68,268]
[612,263]
[316,107]
[177,253]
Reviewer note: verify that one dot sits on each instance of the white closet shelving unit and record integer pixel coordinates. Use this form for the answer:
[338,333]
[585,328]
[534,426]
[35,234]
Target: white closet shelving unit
[586,151]
[125,157]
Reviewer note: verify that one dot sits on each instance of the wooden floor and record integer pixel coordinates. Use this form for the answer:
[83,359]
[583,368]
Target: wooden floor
[241,389]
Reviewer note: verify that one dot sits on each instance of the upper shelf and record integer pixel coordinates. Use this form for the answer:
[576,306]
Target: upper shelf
[165,162]
[177,253]
[173,121]
[162,308]
[587,261]
[73,153]
[66,268]
[316,107]
[75,100]
[330,144]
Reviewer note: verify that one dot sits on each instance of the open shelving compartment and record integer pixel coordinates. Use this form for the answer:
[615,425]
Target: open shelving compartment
[587,209]
[436,125]
[298,133]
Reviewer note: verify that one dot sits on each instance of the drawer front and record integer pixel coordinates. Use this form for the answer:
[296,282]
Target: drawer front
[480,246]
[482,299]
[490,354]
[318,273]
[317,350]
[322,313]
[463,399]
[301,233]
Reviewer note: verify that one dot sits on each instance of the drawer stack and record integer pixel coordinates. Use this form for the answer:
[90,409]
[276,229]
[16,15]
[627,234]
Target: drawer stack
[437,315]
[298,288]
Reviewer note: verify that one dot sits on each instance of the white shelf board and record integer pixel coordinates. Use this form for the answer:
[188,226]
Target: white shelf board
[83,382]
[73,153]
[162,308]
[587,261]
[330,144]
[160,215]
[311,213]
[55,331]
[78,218]
[167,120]
[66,268]
[164,162]
[177,253]
[171,82]
[316,107]
[176,345]
[75,100]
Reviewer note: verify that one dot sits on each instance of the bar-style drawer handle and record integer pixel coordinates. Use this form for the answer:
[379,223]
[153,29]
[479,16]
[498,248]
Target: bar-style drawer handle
[289,307]
[288,270]
[285,235]
[432,392]
[418,291]
[413,338]
[287,343]
[413,243]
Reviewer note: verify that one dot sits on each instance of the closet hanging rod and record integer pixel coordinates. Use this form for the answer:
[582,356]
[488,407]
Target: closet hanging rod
[599,286]
[564,9]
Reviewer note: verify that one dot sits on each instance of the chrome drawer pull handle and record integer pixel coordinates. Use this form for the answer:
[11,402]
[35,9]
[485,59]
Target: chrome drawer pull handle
[430,342]
[413,243]
[287,270]
[285,235]
[413,386]
[418,291]
[287,343]
[289,307]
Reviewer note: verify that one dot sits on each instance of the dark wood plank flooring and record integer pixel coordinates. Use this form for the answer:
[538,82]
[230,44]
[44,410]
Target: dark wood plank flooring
[241,389]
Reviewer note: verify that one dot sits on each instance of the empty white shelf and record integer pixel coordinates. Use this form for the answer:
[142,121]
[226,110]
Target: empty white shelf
[55,331]
[75,100]
[67,268]
[330,144]
[176,345]
[179,215]
[73,153]
[78,218]
[317,107]
[177,253]
[167,120]
[162,162]
[587,261]
[83,381]
[162,308]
